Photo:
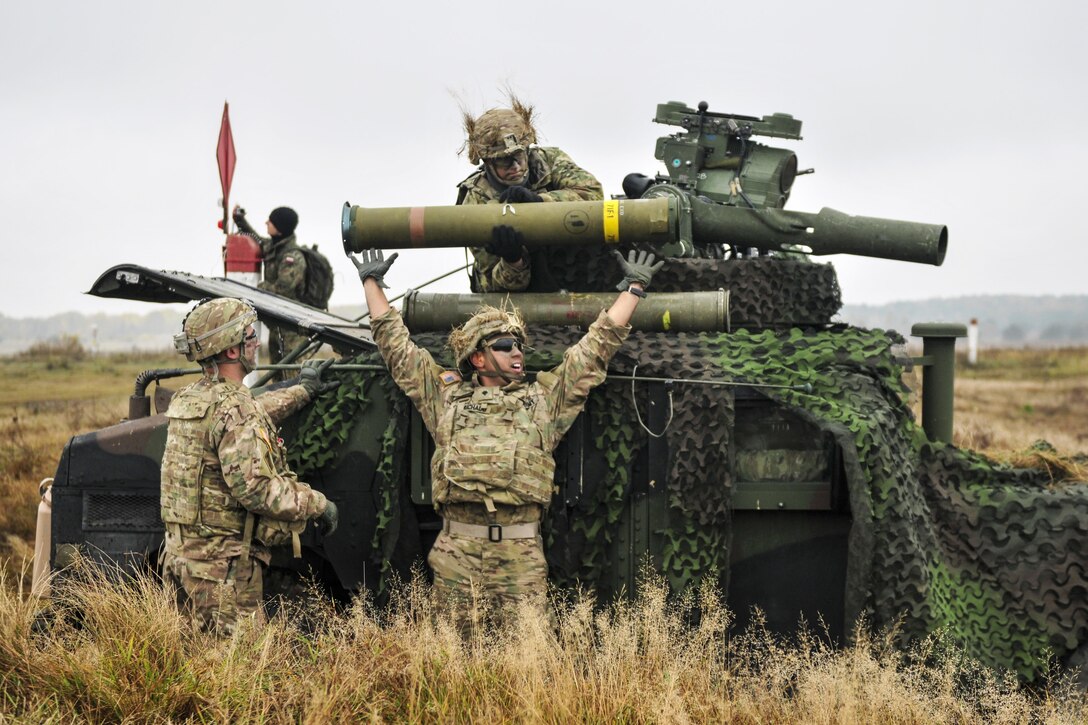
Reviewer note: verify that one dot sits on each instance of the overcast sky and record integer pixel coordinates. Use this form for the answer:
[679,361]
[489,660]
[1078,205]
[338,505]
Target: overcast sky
[968,114]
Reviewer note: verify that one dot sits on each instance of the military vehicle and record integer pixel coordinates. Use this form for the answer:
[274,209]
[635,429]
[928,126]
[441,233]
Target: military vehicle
[743,434]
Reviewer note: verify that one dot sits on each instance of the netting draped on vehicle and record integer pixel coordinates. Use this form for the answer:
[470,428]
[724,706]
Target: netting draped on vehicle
[945,537]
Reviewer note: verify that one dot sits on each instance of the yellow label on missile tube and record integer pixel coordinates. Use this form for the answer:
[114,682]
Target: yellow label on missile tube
[611,211]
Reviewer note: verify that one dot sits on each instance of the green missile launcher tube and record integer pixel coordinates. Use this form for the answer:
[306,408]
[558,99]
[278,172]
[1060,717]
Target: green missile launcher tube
[580,223]
[654,221]
[676,311]
[828,232]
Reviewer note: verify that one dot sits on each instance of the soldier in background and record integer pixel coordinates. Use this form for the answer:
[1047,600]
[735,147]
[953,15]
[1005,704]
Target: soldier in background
[494,432]
[227,493]
[284,270]
[512,168]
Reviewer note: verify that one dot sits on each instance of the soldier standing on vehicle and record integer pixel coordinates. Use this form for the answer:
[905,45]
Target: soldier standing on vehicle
[513,169]
[494,432]
[227,493]
[284,270]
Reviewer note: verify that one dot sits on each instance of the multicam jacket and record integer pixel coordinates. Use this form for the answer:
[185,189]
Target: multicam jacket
[284,264]
[224,459]
[493,445]
[554,176]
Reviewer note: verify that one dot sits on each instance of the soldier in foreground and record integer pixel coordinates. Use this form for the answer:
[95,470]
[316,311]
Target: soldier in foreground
[227,493]
[284,269]
[513,169]
[494,432]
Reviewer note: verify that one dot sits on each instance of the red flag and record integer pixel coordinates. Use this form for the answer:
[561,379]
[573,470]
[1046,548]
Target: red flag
[224,153]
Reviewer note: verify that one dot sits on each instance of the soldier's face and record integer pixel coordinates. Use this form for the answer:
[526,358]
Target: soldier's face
[505,358]
[272,231]
[510,169]
[248,356]
[251,341]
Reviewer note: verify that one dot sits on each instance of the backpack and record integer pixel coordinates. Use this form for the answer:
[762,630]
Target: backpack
[318,285]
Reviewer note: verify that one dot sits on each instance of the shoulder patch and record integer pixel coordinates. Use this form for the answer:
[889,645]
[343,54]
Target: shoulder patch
[449,377]
[288,259]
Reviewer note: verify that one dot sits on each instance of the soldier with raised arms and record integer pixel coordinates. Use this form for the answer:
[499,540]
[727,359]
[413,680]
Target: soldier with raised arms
[227,493]
[494,432]
[513,169]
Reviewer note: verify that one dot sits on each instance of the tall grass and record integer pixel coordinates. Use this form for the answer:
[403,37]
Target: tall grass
[52,392]
[121,653]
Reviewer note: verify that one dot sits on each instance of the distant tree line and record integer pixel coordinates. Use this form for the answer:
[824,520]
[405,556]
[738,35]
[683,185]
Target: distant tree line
[1004,320]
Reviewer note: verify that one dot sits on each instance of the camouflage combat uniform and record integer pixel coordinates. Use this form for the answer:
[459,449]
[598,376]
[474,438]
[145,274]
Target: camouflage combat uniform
[225,475]
[493,462]
[554,176]
[284,275]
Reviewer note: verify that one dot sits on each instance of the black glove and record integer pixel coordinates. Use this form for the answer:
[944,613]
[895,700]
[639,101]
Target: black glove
[638,267]
[238,214]
[310,377]
[329,520]
[507,242]
[374,265]
[518,195]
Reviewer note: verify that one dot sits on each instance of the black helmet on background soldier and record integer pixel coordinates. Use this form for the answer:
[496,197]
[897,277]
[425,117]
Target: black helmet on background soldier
[285,219]
[214,326]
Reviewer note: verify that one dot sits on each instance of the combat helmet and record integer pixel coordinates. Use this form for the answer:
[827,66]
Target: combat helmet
[487,323]
[499,132]
[213,326]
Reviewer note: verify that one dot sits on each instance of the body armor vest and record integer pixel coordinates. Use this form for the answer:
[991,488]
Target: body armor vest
[193,491]
[491,448]
[188,496]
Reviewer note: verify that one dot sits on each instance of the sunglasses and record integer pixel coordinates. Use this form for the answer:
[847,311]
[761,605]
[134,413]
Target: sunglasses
[506,344]
[505,162]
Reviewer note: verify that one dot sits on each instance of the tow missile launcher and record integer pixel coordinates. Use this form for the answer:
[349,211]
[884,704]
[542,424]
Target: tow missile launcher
[744,435]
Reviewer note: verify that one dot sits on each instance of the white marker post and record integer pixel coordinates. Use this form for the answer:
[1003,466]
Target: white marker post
[972,342]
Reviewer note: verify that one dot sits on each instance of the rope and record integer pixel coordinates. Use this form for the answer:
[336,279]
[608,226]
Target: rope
[638,416]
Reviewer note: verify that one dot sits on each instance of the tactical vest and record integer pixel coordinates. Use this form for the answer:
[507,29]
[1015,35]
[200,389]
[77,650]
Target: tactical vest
[189,494]
[183,499]
[491,448]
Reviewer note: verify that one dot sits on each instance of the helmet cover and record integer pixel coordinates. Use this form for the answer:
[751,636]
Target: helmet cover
[488,322]
[499,132]
[213,326]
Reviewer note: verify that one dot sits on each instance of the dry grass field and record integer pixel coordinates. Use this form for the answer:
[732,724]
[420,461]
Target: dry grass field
[1011,398]
[128,657]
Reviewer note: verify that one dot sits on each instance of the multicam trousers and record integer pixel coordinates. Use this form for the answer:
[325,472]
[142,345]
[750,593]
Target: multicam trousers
[476,580]
[217,594]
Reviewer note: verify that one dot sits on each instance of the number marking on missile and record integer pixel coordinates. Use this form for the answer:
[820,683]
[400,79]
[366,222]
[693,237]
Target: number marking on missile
[611,212]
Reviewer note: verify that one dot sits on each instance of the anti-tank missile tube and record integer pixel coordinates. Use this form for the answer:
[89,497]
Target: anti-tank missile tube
[653,222]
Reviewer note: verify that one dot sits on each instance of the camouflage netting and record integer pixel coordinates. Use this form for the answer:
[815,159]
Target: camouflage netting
[757,296]
[940,535]
[323,431]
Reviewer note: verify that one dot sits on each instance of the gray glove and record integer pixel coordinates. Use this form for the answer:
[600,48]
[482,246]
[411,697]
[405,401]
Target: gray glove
[310,377]
[329,519]
[373,264]
[638,267]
